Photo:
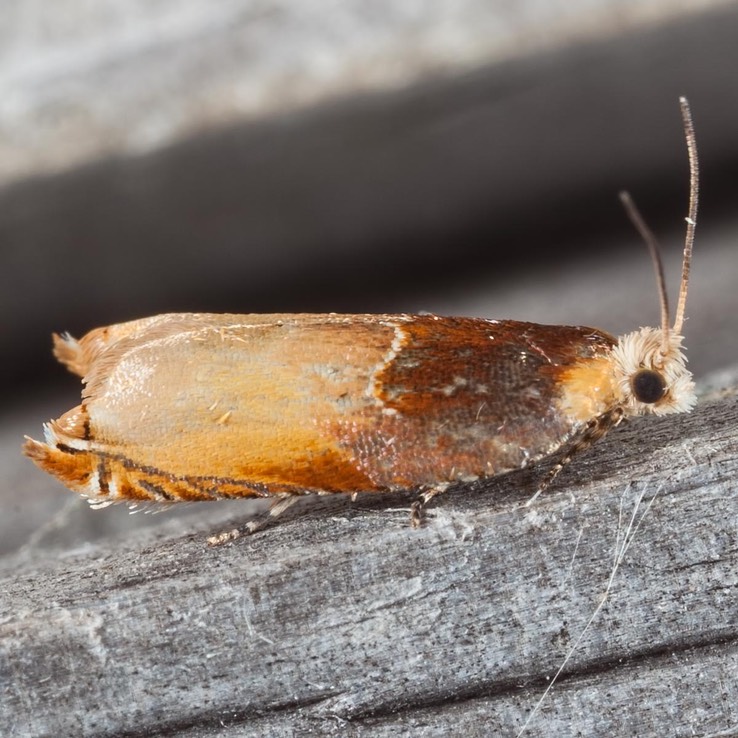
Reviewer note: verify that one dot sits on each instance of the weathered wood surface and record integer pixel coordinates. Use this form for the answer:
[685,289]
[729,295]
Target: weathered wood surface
[342,621]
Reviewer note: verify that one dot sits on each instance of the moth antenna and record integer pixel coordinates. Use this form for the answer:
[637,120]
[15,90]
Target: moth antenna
[652,243]
[653,249]
[694,187]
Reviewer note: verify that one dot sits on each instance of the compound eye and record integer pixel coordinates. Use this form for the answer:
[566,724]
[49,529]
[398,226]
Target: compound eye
[648,386]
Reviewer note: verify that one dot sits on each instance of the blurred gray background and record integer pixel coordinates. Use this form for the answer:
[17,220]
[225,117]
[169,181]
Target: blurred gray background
[266,155]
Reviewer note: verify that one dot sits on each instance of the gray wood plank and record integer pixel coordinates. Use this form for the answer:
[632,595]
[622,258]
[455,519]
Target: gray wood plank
[81,83]
[343,621]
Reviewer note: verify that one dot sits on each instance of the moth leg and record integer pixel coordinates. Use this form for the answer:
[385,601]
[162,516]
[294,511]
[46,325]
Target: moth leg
[417,509]
[596,429]
[277,507]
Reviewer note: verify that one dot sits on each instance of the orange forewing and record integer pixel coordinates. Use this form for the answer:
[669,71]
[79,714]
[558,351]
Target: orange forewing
[197,406]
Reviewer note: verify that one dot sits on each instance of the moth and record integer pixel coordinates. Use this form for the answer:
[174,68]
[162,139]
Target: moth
[206,407]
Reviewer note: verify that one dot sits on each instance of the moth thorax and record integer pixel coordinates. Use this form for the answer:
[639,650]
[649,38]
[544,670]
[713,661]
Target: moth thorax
[651,375]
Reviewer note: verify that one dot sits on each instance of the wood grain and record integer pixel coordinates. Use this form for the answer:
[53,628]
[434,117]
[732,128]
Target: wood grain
[343,621]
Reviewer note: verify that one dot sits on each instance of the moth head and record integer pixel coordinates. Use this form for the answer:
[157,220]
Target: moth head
[652,378]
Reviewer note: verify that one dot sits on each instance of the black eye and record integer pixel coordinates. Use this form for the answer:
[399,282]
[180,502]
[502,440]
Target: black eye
[648,386]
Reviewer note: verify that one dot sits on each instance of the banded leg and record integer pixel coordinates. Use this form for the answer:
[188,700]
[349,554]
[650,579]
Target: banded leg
[593,432]
[260,522]
[418,507]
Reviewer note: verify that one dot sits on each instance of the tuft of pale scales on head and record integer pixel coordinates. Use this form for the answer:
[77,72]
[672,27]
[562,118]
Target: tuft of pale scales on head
[647,349]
